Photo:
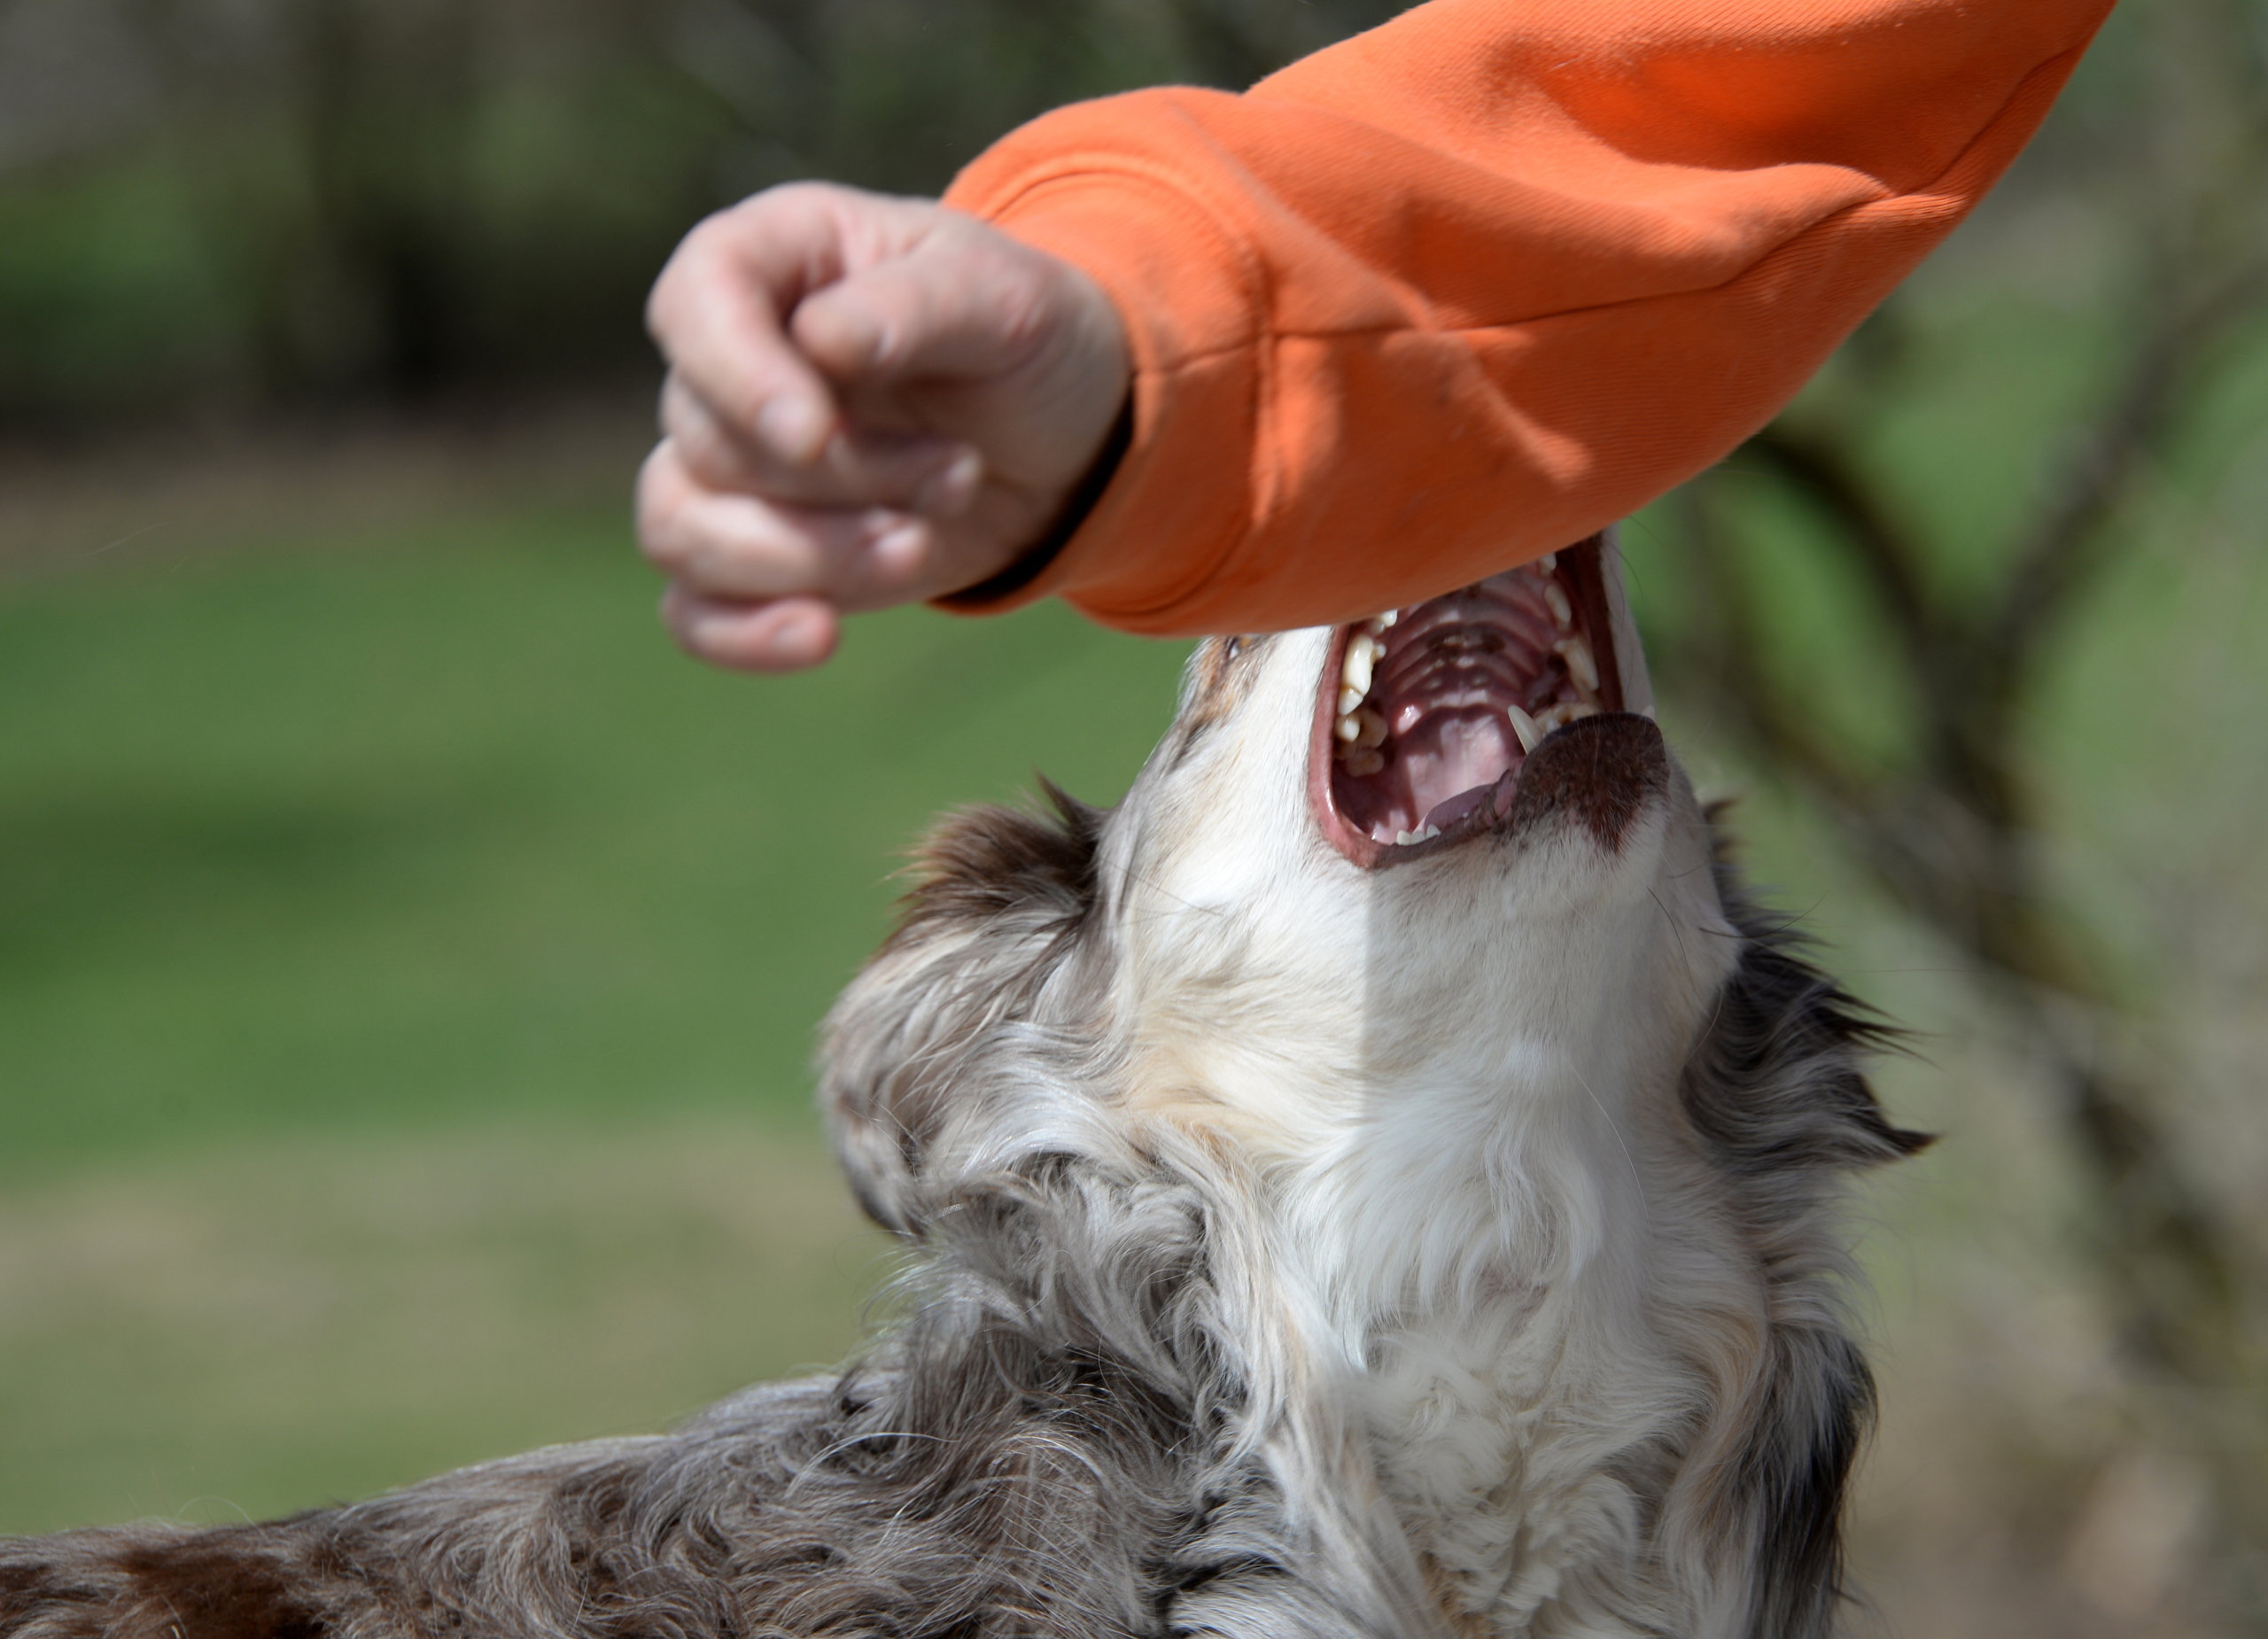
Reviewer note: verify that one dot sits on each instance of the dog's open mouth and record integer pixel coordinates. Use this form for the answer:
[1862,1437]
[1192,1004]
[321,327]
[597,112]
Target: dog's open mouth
[1426,714]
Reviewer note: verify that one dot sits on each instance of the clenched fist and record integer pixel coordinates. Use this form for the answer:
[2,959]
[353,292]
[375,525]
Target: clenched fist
[870,400]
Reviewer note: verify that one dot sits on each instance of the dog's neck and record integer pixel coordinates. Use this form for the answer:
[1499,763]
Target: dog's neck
[1472,1178]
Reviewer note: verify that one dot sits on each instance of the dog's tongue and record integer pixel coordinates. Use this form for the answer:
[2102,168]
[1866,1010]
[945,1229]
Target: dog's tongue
[1459,807]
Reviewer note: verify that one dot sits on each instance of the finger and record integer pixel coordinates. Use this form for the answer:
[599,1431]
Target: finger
[956,304]
[934,476]
[786,634]
[718,313]
[725,545]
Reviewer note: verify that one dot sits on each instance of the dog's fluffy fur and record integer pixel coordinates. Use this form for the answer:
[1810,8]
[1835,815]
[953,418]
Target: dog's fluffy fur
[1300,1247]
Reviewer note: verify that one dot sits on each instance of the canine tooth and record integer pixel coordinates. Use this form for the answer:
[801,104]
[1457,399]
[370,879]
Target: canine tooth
[1527,728]
[1347,728]
[1562,611]
[1647,711]
[1581,664]
[1369,727]
[1349,697]
[1362,654]
[1363,761]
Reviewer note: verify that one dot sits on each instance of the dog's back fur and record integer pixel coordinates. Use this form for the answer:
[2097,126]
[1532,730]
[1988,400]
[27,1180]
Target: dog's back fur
[1288,1258]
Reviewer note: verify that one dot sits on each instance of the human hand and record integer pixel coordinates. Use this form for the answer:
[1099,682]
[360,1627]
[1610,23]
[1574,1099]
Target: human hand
[870,400]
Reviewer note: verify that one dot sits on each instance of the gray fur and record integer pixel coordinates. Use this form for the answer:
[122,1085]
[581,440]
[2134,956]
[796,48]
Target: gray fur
[1066,1434]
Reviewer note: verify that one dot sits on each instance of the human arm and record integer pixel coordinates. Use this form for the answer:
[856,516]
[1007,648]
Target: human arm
[1469,286]
[1472,285]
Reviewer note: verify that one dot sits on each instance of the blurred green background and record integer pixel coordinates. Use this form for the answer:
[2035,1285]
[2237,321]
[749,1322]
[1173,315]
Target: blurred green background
[408,964]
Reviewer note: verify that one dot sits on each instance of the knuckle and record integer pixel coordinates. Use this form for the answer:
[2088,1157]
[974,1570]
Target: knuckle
[664,540]
[661,544]
[690,267]
[708,457]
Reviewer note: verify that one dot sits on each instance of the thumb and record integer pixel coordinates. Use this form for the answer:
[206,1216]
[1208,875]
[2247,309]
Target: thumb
[954,305]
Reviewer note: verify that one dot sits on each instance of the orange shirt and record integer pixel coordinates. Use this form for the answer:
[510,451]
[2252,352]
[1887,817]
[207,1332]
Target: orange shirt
[1476,284]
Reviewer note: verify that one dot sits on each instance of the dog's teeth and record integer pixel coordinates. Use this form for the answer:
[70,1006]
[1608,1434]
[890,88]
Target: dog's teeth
[1646,712]
[1563,711]
[1580,664]
[1362,654]
[1403,839]
[1363,761]
[1548,562]
[1527,728]
[1562,611]
[1429,833]
[1369,727]
[1377,625]
[1349,697]
[1347,728]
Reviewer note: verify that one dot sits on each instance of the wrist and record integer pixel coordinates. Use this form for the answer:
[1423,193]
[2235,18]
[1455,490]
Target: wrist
[1078,505]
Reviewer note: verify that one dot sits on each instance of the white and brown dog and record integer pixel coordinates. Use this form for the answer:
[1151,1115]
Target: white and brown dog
[1377,1181]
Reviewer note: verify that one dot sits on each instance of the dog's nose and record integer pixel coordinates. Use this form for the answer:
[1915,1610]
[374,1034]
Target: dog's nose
[1599,771]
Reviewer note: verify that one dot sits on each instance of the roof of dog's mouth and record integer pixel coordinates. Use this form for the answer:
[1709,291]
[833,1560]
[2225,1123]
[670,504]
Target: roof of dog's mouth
[1425,715]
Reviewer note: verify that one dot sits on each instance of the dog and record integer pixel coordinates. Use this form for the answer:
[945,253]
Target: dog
[1380,1180]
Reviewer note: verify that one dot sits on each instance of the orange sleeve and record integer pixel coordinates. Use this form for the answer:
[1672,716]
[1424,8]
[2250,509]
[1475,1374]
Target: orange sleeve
[1473,284]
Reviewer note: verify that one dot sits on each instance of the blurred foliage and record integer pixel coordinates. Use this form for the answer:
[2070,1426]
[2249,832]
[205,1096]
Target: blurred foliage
[294,200]
[1878,593]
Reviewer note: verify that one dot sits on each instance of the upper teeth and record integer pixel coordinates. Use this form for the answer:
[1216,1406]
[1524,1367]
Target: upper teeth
[1580,664]
[1565,711]
[1363,652]
[1358,730]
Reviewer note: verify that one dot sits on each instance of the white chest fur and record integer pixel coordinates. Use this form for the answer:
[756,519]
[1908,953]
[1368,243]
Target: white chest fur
[1503,1335]
[1507,1252]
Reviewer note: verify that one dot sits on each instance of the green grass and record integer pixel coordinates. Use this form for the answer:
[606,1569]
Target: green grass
[404,831]
[408,966]
[296,1321]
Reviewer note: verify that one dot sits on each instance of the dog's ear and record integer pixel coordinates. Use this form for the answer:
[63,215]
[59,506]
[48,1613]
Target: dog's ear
[1778,1090]
[1002,903]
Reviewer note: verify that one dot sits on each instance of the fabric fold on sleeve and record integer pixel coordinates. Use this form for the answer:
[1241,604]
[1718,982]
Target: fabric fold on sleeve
[1480,282]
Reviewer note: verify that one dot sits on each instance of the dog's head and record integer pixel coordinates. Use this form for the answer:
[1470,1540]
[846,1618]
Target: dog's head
[1412,850]
[1443,837]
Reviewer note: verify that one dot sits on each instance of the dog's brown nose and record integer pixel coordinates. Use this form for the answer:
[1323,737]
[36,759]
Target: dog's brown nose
[1600,771]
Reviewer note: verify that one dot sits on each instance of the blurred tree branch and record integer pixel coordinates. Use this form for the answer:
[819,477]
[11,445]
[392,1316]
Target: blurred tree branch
[381,201]
[1948,821]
